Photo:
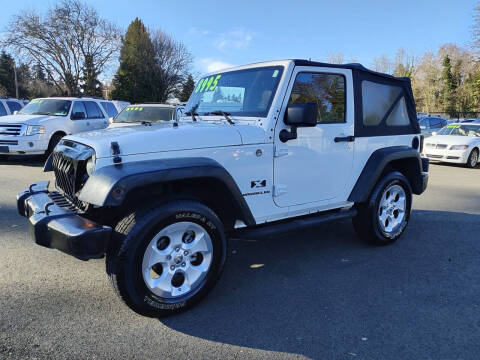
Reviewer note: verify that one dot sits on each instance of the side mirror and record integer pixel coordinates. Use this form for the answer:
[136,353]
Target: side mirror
[78,116]
[110,120]
[298,115]
[434,133]
[15,112]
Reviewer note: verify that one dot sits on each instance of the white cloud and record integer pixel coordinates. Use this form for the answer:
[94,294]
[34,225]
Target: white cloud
[236,39]
[197,31]
[212,65]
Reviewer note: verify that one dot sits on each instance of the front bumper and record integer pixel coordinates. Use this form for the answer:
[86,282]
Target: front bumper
[447,155]
[58,227]
[35,144]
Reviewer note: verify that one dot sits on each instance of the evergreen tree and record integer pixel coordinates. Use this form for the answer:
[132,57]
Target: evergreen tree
[449,87]
[91,85]
[38,73]
[24,79]
[187,89]
[136,76]
[7,75]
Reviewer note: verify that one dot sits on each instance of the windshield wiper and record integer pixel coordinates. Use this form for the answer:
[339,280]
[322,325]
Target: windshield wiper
[146,123]
[193,112]
[226,115]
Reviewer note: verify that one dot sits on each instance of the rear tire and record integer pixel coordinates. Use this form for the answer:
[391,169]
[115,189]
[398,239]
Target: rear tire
[383,219]
[164,259]
[472,159]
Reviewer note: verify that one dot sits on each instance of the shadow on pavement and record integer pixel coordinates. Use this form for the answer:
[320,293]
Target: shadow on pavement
[25,160]
[322,291]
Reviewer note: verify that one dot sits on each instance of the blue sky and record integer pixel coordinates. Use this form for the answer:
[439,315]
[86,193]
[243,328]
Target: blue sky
[219,33]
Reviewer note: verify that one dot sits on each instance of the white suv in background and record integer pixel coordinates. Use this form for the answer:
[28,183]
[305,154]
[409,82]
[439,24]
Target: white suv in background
[9,105]
[39,126]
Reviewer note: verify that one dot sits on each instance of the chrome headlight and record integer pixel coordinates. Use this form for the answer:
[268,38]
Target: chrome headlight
[90,167]
[458,147]
[34,130]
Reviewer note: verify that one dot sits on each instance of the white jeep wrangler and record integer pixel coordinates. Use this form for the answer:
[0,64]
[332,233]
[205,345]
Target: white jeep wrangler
[39,126]
[263,148]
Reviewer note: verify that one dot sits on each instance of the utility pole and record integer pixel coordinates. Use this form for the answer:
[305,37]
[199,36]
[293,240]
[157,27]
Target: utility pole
[16,82]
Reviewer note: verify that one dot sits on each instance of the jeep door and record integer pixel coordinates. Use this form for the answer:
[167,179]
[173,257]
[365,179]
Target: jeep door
[318,163]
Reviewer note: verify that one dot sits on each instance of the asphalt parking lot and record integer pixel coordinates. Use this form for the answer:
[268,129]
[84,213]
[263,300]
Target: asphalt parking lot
[320,294]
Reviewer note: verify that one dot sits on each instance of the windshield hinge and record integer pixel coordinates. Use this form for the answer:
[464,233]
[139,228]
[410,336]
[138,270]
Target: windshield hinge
[280,151]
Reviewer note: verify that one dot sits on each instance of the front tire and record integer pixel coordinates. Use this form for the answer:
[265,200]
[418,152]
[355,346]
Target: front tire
[472,159]
[384,218]
[165,259]
[55,139]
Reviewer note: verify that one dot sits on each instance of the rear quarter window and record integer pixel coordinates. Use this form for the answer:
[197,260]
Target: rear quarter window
[111,110]
[93,111]
[3,112]
[14,106]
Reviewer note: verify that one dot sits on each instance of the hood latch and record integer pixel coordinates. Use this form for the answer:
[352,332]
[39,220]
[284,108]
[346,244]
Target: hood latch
[115,152]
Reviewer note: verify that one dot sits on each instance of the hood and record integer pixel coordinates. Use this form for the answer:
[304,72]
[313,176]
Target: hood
[451,139]
[136,139]
[24,119]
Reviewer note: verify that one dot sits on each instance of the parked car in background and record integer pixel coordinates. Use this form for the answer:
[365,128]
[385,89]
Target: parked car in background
[8,106]
[145,113]
[468,120]
[39,126]
[456,143]
[430,124]
[119,104]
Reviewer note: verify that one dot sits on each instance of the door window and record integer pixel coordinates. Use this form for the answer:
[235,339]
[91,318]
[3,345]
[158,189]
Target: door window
[79,107]
[3,112]
[93,111]
[326,90]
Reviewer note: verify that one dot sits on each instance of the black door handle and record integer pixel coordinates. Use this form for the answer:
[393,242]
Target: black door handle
[346,139]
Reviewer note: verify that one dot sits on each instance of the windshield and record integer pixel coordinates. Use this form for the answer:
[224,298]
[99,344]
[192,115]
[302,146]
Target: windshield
[247,92]
[461,130]
[145,113]
[52,107]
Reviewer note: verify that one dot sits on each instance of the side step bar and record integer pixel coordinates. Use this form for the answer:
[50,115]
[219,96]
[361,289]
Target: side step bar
[286,226]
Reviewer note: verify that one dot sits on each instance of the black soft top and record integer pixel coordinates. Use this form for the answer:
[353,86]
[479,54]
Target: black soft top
[352,66]
[361,73]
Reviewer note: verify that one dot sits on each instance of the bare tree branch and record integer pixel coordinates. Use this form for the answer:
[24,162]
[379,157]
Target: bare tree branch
[61,40]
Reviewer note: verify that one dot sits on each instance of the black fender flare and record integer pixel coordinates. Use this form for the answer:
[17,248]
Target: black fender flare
[124,177]
[376,165]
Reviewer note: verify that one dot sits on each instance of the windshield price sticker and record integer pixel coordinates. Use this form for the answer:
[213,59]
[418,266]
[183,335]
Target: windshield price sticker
[453,126]
[208,84]
[36,101]
[134,108]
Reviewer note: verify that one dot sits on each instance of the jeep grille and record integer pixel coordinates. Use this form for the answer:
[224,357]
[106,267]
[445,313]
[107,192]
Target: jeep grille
[70,176]
[64,173]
